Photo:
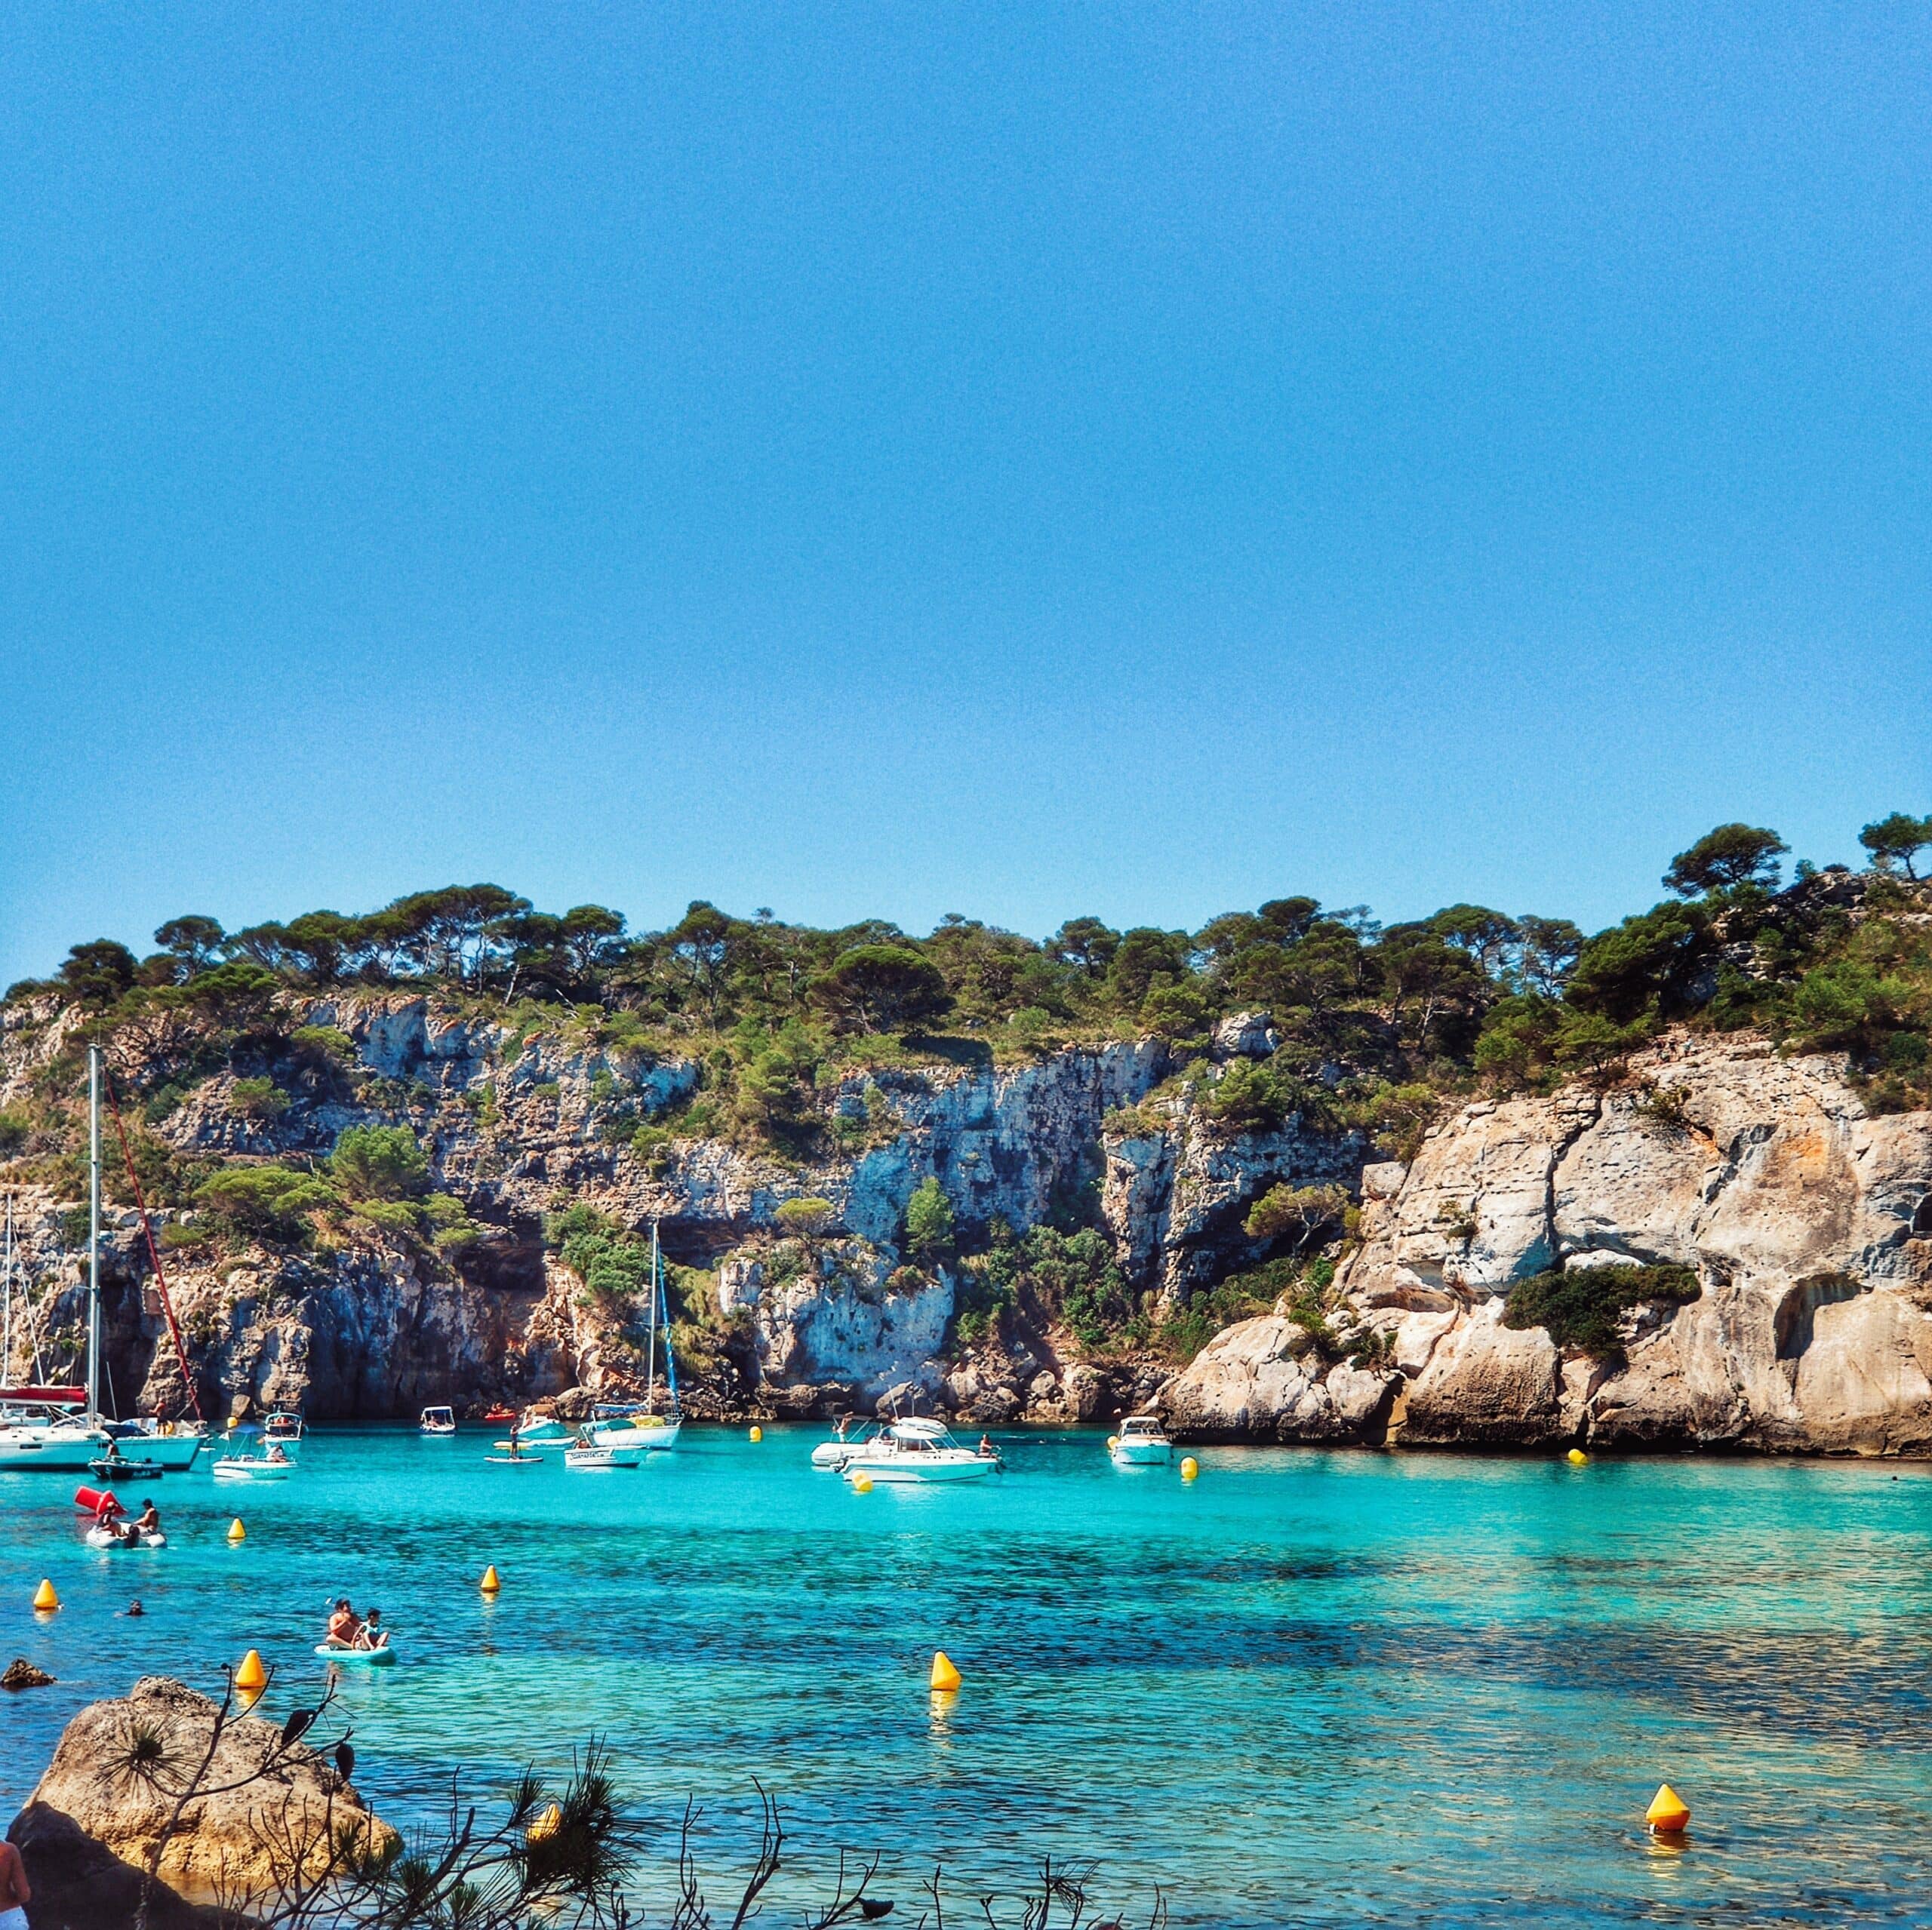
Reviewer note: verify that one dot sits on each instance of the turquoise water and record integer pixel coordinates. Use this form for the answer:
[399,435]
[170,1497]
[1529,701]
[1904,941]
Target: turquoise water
[1309,1688]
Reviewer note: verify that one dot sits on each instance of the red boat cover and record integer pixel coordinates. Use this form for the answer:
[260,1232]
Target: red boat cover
[53,1397]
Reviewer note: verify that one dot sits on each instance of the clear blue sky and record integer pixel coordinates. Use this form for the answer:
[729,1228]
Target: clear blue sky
[1016,460]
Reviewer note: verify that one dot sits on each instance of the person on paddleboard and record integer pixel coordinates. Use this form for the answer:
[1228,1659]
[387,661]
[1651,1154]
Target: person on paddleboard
[372,1634]
[344,1627]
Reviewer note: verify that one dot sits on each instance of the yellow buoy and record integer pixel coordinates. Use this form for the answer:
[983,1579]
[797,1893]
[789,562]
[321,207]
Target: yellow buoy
[236,1532]
[1577,1457]
[491,1581]
[1190,1468]
[251,1674]
[545,1825]
[945,1677]
[1113,1442]
[758,1433]
[1669,1814]
[862,1484]
[44,1600]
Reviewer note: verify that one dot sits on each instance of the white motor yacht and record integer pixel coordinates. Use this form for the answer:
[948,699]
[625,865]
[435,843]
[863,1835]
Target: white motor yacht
[1141,1443]
[916,1450]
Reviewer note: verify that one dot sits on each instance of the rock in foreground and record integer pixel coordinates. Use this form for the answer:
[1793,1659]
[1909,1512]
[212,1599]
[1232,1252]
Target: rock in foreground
[91,1825]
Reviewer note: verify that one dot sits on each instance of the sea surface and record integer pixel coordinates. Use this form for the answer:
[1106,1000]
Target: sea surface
[1307,1689]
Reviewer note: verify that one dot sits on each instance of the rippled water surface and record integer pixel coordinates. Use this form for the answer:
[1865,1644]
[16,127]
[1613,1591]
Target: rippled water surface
[1309,1688]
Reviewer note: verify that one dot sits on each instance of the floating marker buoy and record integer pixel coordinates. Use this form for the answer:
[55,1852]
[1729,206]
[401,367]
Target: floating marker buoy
[251,1674]
[545,1825]
[44,1600]
[1113,1442]
[1577,1457]
[945,1677]
[758,1433]
[862,1484]
[491,1581]
[1190,1468]
[1669,1814]
[236,1532]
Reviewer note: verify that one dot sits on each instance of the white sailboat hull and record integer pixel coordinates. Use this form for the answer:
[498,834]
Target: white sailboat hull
[58,1449]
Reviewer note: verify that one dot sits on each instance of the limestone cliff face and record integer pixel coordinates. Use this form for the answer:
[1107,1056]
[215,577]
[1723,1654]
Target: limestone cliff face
[1808,1224]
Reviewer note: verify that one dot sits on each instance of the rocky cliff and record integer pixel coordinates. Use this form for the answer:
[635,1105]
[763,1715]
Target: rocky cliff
[1806,1223]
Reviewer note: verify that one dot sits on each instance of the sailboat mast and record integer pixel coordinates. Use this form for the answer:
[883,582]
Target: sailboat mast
[94,1230]
[650,1372]
[6,1319]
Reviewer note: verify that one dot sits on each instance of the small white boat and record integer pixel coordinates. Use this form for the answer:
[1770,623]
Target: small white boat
[835,1453]
[917,1450]
[283,1424]
[1141,1443]
[439,1420]
[595,1457]
[251,1467]
[106,1538]
[540,1437]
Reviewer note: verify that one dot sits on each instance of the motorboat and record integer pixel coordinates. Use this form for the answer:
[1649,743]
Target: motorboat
[1141,1443]
[544,1435]
[596,1456]
[439,1421]
[252,1468]
[917,1450]
[834,1453]
[285,1425]
[115,1469]
[170,1445]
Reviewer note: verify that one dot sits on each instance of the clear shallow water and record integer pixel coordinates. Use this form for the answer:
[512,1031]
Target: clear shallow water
[1310,1689]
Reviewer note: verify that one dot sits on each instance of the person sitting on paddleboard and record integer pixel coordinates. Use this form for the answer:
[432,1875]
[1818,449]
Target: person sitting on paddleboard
[343,1627]
[372,1634]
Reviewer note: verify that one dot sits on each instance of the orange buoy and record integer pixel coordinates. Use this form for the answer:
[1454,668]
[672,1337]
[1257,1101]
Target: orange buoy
[945,1677]
[251,1674]
[1669,1814]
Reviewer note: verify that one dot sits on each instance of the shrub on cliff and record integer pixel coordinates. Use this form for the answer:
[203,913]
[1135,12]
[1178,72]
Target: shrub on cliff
[268,1201]
[379,1163]
[1584,1307]
[929,1223]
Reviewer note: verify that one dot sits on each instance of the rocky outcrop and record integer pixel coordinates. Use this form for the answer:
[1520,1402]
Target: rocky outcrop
[1262,1380]
[112,1793]
[1804,1218]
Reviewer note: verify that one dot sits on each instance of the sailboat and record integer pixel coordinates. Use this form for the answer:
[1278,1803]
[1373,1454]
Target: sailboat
[48,1427]
[638,1423]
